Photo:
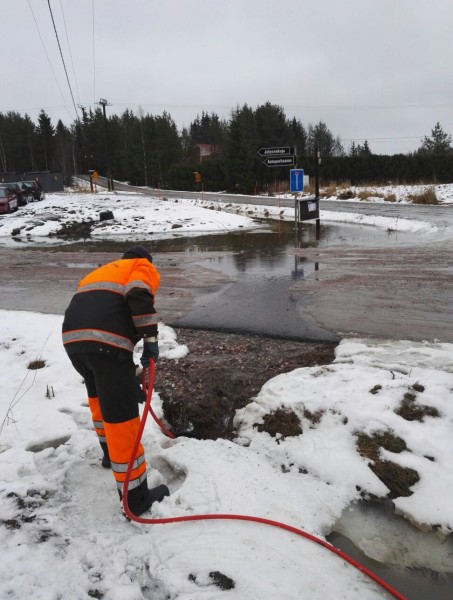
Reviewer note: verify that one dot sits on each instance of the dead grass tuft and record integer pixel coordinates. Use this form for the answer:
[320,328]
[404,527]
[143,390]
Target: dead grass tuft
[313,417]
[282,421]
[346,195]
[344,185]
[418,387]
[365,194]
[375,389]
[36,364]
[428,196]
[398,479]
[330,191]
[411,411]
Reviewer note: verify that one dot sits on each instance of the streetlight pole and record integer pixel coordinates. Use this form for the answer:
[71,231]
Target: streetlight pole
[104,103]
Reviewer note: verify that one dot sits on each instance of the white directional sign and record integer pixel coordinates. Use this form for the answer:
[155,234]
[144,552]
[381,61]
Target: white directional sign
[279,161]
[281,151]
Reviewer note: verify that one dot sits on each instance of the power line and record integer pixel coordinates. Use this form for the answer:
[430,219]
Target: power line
[94,53]
[69,48]
[311,107]
[384,139]
[62,59]
[48,59]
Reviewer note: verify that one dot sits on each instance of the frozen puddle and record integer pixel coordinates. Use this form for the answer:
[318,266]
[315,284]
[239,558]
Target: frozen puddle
[417,564]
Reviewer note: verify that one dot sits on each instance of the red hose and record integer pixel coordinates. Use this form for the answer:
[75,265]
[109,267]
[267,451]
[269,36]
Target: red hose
[231,517]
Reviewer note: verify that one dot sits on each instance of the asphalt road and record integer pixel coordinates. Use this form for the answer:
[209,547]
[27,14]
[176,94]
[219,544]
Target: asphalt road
[403,292]
[440,215]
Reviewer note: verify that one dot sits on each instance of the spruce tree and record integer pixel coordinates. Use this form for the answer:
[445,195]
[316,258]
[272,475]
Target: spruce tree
[438,144]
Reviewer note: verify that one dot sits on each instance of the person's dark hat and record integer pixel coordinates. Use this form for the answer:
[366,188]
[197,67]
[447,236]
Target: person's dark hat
[138,252]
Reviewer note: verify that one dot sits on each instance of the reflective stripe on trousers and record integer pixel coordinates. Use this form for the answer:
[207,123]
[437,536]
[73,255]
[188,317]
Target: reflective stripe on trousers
[120,441]
[96,415]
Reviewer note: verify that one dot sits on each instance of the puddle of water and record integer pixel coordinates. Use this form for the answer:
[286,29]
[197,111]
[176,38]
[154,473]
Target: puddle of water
[271,234]
[268,253]
[418,565]
[264,268]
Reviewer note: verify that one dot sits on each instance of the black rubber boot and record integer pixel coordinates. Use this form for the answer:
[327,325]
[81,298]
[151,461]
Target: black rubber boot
[141,498]
[106,458]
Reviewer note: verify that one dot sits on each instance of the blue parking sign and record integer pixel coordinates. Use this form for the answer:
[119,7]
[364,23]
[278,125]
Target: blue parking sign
[296,180]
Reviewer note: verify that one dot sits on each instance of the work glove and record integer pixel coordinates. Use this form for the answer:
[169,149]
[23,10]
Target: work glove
[150,350]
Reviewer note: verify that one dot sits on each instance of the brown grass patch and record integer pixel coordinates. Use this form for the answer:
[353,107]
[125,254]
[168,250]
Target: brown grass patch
[36,364]
[375,389]
[398,479]
[411,411]
[330,190]
[365,194]
[313,417]
[390,198]
[343,185]
[346,195]
[418,387]
[282,421]
[428,196]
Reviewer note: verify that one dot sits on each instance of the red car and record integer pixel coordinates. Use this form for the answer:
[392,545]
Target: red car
[8,201]
[16,188]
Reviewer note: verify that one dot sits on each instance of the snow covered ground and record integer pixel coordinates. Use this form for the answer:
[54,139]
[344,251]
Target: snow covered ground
[402,193]
[138,217]
[62,534]
[135,217]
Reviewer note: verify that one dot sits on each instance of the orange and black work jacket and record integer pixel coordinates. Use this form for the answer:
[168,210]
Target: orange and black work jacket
[113,308]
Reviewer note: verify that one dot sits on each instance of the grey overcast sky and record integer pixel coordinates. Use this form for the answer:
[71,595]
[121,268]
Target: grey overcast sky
[379,70]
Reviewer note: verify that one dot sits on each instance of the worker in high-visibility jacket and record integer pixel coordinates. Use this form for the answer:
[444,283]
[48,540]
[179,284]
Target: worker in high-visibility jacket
[112,309]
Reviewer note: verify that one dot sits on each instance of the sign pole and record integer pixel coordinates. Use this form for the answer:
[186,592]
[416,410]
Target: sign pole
[317,163]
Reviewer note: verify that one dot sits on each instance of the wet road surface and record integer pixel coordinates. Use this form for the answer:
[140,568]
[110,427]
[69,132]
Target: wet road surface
[353,280]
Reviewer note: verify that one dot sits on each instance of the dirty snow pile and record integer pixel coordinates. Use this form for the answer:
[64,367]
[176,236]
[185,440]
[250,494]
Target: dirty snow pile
[135,216]
[286,213]
[62,534]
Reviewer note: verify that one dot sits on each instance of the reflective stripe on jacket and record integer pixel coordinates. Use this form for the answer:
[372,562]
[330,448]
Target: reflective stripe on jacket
[112,308]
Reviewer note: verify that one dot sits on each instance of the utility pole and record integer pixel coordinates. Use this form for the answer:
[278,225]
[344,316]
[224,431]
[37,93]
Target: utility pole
[104,103]
[140,113]
[86,148]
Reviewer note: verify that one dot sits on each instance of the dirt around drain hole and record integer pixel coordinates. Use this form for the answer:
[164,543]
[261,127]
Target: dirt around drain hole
[223,372]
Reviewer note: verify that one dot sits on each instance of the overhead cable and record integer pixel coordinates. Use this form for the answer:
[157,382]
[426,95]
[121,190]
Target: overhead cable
[69,49]
[94,53]
[62,59]
[48,59]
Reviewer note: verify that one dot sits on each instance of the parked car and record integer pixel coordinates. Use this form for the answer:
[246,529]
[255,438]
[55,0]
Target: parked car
[16,188]
[8,201]
[33,191]
[27,190]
